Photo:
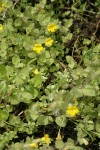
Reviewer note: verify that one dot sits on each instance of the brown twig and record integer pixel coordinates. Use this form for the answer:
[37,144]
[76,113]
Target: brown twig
[97,26]
[4,15]
[16,2]
[6,10]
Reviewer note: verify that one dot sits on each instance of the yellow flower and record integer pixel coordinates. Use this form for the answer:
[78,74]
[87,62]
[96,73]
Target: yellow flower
[46,139]
[72,111]
[3,5]
[35,145]
[49,42]
[0,9]
[52,27]
[38,48]
[74,99]
[35,71]
[1,27]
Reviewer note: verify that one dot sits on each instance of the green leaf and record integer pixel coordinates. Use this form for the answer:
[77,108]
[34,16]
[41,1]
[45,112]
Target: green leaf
[33,91]
[14,99]
[2,71]
[45,21]
[37,80]
[18,80]
[26,97]
[67,37]
[3,115]
[3,53]
[34,116]
[70,144]
[68,22]
[59,144]
[9,70]
[97,126]
[96,49]
[41,17]
[98,109]
[40,40]
[86,41]
[18,22]
[90,127]
[16,146]
[14,120]
[44,120]
[3,44]
[40,120]
[88,92]
[24,73]
[6,138]
[85,141]
[15,59]
[61,121]
[44,2]
[71,62]
[32,55]
[9,4]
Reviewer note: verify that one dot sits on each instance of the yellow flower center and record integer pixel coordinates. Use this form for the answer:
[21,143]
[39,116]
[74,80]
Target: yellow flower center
[46,139]
[38,48]
[1,27]
[49,42]
[52,27]
[72,111]
[2,7]
[35,71]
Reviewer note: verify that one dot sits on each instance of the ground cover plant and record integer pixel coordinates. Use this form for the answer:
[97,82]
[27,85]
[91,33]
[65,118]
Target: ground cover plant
[49,75]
